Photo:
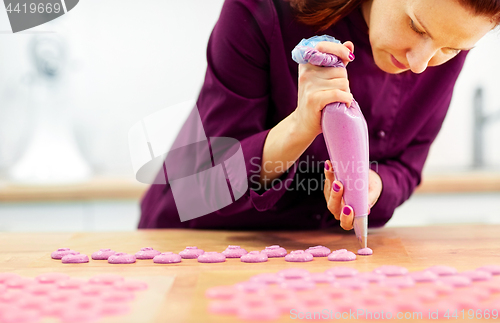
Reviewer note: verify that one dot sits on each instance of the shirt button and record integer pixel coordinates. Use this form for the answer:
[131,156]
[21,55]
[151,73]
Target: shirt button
[381,134]
[318,216]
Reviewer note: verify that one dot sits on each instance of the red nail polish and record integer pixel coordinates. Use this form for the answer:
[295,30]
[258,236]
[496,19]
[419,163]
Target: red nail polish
[351,56]
[336,187]
[346,210]
[327,167]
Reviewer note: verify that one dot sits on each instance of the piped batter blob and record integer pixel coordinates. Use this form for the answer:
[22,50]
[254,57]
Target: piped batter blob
[254,257]
[365,252]
[167,258]
[191,253]
[299,256]
[234,252]
[211,257]
[121,258]
[342,255]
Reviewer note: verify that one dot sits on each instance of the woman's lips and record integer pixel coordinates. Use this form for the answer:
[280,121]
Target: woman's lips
[397,63]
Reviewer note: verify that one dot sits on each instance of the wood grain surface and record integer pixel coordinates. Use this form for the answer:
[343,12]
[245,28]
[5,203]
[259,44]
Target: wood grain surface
[176,291]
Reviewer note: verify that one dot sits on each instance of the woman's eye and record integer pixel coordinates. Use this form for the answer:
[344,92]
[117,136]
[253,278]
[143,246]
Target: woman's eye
[412,26]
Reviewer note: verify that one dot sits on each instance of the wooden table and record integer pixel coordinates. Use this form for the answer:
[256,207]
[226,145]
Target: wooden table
[177,291]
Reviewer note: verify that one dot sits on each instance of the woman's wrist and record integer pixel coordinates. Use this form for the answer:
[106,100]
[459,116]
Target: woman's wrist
[284,144]
[300,130]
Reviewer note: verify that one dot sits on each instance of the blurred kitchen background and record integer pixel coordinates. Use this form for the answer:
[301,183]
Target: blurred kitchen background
[108,64]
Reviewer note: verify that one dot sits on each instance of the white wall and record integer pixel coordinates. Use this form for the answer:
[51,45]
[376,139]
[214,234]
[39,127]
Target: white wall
[130,59]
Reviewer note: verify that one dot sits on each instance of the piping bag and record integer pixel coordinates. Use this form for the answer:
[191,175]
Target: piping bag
[346,136]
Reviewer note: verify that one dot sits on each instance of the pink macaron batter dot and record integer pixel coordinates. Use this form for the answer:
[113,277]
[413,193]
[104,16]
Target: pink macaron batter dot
[77,315]
[477,292]
[340,271]
[477,275]
[424,276]
[351,283]
[319,251]
[222,292]
[391,270]
[442,288]
[191,253]
[122,258]
[94,289]
[61,252]
[492,269]
[342,255]
[72,283]
[102,254]
[322,278]
[131,285]
[294,273]
[251,287]
[32,302]
[299,256]
[254,257]
[465,302]
[371,277]
[493,286]
[275,251]
[40,289]
[108,309]
[51,278]
[234,252]
[298,284]
[75,259]
[365,252]
[456,280]
[398,281]
[421,293]
[20,283]
[12,296]
[167,258]
[211,257]
[106,279]
[20,316]
[267,278]
[54,309]
[63,296]
[6,276]
[147,253]
[442,270]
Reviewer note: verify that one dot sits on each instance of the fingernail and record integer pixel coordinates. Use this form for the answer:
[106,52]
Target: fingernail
[351,56]
[336,187]
[346,210]
[327,167]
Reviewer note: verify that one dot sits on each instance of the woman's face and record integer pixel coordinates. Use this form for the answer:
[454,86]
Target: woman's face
[413,34]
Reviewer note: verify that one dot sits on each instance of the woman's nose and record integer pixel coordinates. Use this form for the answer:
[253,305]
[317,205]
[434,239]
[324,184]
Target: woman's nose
[419,57]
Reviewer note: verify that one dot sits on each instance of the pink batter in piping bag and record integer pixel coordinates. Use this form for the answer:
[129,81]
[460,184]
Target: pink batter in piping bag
[346,136]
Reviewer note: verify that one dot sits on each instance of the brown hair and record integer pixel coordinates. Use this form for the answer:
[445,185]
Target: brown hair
[321,14]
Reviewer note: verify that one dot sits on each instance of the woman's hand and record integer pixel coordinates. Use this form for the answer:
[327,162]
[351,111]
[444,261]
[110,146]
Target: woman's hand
[334,191]
[319,86]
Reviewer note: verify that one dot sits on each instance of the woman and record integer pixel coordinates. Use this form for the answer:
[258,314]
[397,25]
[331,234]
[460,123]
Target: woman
[408,56]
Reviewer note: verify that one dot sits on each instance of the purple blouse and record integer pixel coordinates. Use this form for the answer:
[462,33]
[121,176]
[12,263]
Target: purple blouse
[251,85]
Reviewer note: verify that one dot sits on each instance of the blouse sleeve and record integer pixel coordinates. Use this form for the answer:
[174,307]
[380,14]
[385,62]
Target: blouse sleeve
[234,100]
[402,174]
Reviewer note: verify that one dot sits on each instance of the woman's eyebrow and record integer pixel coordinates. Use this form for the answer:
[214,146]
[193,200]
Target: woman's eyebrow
[429,34]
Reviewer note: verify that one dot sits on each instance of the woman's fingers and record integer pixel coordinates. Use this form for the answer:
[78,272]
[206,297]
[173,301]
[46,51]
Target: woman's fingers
[329,178]
[347,218]
[344,51]
[334,203]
